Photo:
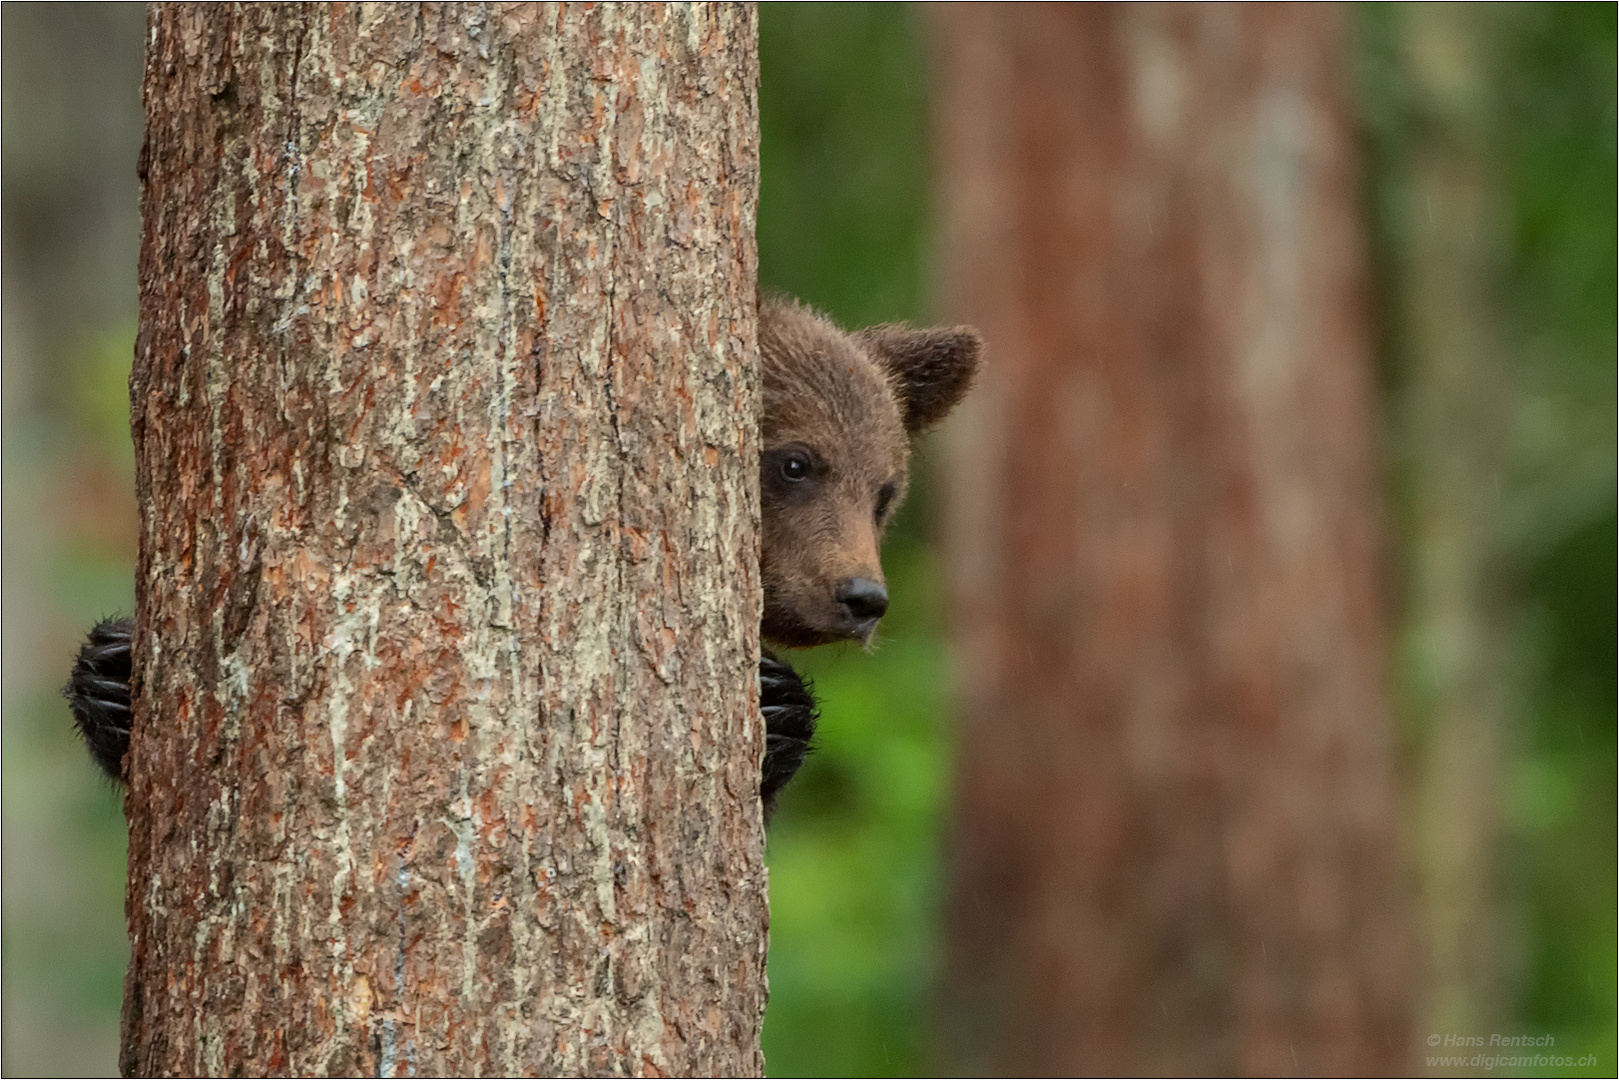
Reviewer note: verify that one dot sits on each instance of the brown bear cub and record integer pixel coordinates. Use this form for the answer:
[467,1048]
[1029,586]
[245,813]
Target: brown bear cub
[838,415]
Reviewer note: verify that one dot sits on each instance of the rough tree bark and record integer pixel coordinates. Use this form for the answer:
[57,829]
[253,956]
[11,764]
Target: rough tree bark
[1175,840]
[446,748]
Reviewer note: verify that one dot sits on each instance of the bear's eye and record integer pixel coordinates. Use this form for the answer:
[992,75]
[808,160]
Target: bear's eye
[885,498]
[791,472]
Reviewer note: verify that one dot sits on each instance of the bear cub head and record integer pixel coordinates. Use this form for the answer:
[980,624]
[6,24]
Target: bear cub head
[839,413]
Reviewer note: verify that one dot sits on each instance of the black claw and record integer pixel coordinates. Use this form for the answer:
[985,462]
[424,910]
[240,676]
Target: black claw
[790,714]
[98,693]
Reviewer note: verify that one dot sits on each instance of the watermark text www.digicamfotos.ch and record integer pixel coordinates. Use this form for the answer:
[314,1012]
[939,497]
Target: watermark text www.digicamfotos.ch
[1496,1051]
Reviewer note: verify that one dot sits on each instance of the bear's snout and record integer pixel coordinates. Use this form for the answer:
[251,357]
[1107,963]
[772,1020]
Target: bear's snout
[865,601]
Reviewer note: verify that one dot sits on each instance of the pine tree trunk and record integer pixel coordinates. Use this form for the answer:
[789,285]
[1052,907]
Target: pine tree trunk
[447,739]
[1176,844]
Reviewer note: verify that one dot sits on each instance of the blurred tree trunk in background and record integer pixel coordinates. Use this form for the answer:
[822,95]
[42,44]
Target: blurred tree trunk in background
[446,747]
[1176,840]
[1453,425]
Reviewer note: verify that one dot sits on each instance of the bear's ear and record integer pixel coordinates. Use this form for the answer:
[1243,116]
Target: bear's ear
[932,369]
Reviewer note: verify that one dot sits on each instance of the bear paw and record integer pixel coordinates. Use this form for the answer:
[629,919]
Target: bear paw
[98,693]
[790,715]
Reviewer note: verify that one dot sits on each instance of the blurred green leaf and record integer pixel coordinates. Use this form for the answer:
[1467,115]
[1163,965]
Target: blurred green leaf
[100,390]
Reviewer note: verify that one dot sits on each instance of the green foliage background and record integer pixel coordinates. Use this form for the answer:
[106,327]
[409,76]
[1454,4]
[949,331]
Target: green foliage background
[1547,128]
[855,853]
[1554,92]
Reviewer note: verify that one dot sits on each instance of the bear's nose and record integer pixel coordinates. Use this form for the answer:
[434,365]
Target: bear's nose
[864,598]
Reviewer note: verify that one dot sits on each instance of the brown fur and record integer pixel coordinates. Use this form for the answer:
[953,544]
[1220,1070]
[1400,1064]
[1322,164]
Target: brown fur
[848,404]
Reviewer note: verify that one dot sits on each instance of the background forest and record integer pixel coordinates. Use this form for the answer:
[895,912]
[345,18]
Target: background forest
[1523,117]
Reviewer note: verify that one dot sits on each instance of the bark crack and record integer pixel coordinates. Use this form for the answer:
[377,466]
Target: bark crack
[293,156]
